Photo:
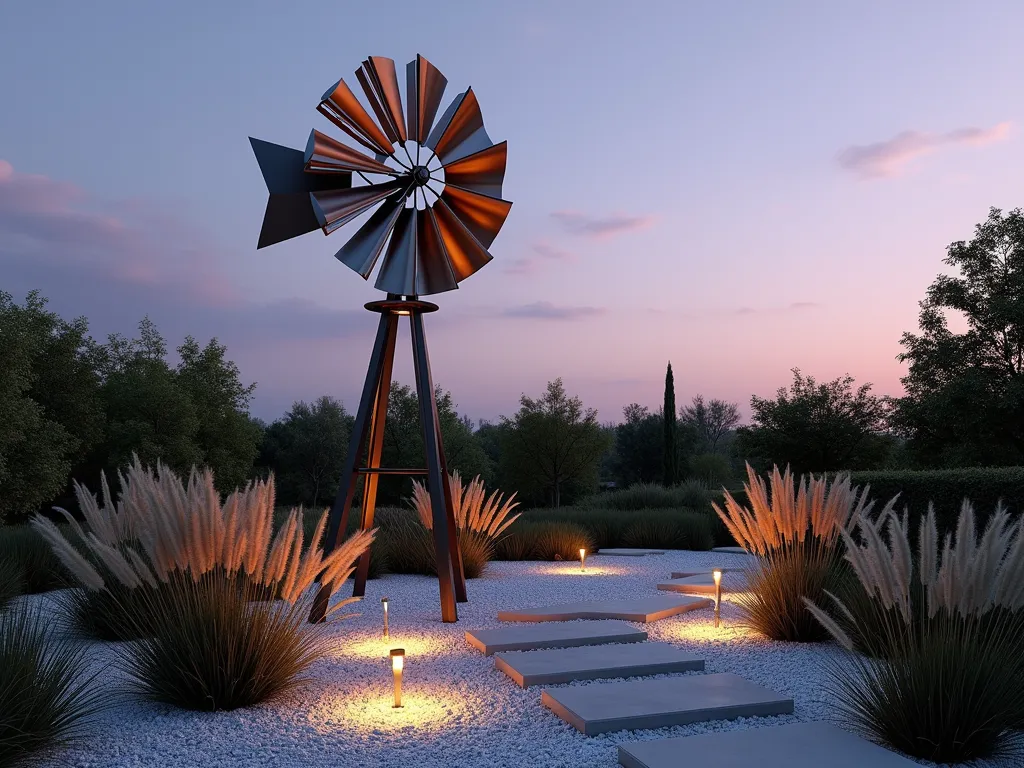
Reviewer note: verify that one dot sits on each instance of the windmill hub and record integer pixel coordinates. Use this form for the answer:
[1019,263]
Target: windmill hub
[421,175]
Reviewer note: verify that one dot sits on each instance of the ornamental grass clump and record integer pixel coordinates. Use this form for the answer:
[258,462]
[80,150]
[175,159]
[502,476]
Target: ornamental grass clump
[47,693]
[217,600]
[944,680]
[475,511]
[795,527]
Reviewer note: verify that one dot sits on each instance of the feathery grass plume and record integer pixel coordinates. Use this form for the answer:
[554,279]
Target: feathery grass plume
[944,680]
[47,694]
[795,527]
[184,528]
[474,510]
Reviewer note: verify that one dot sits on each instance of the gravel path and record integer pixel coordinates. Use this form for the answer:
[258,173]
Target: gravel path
[459,710]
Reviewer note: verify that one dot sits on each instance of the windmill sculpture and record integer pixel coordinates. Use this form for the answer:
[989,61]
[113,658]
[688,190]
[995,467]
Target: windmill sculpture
[431,241]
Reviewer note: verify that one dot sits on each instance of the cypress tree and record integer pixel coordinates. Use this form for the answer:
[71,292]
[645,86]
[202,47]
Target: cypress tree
[669,416]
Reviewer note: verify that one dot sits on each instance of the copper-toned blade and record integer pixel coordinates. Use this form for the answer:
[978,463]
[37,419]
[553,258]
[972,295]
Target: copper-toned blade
[398,271]
[424,85]
[480,214]
[327,155]
[289,210]
[433,271]
[481,172]
[464,132]
[465,253]
[378,79]
[335,208]
[341,107]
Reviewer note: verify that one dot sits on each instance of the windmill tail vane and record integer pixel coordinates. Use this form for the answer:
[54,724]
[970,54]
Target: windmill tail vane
[434,182]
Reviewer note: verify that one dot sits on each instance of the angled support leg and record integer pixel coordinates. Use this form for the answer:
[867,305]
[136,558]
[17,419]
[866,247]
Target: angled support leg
[437,481]
[373,454]
[338,519]
[458,573]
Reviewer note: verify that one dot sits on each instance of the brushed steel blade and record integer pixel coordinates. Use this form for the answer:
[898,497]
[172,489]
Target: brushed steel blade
[336,208]
[482,215]
[360,253]
[371,76]
[433,271]
[424,90]
[398,271]
[481,172]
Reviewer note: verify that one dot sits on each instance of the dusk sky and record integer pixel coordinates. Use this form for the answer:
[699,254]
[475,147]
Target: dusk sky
[738,187]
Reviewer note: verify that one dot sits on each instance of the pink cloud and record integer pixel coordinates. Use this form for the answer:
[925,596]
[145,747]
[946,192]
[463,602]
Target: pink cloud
[579,223]
[886,159]
[543,252]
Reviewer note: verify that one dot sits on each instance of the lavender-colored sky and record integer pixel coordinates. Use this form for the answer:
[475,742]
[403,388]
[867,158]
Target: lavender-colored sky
[738,187]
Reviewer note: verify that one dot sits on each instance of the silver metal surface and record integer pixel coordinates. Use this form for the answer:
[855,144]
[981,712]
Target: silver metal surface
[361,251]
[424,90]
[482,172]
[419,252]
[338,207]
[398,271]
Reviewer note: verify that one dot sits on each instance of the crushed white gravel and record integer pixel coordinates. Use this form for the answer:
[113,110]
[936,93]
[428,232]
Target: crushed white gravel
[459,710]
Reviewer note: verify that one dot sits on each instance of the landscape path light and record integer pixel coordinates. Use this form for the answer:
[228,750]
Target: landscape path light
[397,664]
[384,602]
[717,573]
[583,559]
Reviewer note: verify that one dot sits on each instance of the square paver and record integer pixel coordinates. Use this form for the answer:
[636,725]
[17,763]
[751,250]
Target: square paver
[603,707]
[703,572]
[562,635]
[796,745]
[593,662]
[626,552]
[642,609]
[702,584]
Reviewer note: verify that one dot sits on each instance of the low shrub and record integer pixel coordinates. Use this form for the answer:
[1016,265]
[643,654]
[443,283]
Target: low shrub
[712,469]
[409,547]
[10,580]
[945,630]
[669,529]
[47,696]
[210,644]
[692,494]
[558,541]
[41,570]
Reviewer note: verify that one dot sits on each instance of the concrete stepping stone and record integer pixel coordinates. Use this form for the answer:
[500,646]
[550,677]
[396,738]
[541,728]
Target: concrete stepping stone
[701,584]
[731,550]
[703,571]
[796,745]
[592,662]
[626,552]
[566,635]
[603,707]
[642,609]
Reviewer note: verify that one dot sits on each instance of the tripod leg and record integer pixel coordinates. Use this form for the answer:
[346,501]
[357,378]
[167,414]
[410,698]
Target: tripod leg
[380,412]
[338,519]
[436,479]
[458,572]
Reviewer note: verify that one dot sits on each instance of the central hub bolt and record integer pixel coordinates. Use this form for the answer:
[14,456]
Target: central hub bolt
[421,174]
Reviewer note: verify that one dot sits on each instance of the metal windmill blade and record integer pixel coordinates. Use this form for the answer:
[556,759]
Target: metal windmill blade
[433,189]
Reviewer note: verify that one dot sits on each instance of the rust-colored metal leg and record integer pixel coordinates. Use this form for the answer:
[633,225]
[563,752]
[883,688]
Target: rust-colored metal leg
[338,518]
[458,572]
[437,481]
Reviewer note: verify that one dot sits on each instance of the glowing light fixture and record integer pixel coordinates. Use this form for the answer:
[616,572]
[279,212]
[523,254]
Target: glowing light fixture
[583,559]
[717,573]
[397,664]
[384,602]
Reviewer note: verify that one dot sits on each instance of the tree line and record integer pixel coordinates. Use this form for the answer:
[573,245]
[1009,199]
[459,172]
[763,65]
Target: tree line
[71,407]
